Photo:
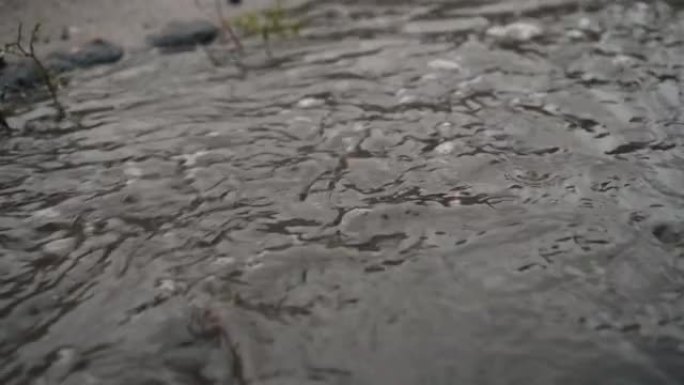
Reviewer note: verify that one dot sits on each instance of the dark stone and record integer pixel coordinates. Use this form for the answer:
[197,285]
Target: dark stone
[95,52]
[17,75]
[184,34]
[59,63]
[4,126]
[20,74]
[668,233]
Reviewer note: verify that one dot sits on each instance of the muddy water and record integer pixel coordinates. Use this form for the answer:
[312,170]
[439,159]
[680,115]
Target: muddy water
[401,198]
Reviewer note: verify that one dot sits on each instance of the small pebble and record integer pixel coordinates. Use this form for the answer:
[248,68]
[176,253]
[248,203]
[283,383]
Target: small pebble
[47,213]
[190,160]
[444,65]
[429,77]
[310,103]
[133,171]
[518,32]
[623,60]
[551,108]
[66,361]
[60,247]
[575,34]
[445,148]
[167,286]
[584,24]
[69,32]
[407,99]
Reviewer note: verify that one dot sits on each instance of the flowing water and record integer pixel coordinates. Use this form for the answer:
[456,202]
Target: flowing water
[399,198]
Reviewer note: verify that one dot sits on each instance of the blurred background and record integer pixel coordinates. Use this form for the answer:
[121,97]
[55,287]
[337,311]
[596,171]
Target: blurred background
[122,21]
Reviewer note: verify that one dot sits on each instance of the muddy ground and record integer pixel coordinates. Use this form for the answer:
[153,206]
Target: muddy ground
[408,193]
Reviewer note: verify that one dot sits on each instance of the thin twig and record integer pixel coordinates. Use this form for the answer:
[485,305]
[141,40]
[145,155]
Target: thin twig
[266,36]
[225,26]
[44,72]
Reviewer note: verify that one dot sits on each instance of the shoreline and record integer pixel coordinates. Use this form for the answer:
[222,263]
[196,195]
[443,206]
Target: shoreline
[124,22]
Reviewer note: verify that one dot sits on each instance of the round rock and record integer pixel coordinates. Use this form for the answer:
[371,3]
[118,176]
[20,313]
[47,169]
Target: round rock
[17,75]
[92,53]
[184,34]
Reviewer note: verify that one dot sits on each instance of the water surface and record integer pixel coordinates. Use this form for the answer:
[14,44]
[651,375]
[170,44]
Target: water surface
[401,198]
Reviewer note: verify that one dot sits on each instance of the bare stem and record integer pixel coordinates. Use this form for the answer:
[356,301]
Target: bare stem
[236,40]
[226,27]
[266,35]
[45,75]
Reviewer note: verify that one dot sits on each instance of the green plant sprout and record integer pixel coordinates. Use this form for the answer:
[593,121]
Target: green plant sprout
[268,23]
[17,48]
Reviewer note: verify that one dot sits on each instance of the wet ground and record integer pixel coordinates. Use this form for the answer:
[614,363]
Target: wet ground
[409,194]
